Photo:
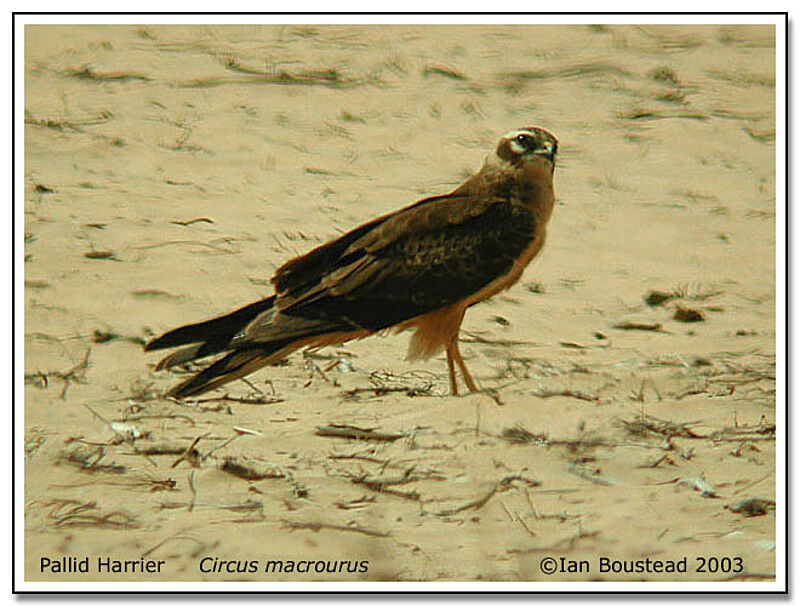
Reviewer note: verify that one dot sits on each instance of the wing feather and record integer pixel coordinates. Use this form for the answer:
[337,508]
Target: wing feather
[417,260]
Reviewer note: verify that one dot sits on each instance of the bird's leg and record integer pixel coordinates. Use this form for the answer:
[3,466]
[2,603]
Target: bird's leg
[471,385]
[452,370]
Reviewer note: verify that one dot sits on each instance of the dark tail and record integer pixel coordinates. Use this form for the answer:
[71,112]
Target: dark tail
[235,365]
[209,337]
[217,335]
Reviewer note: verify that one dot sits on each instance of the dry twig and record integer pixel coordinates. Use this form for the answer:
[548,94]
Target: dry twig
[503,484]
[317,526]
[352,432]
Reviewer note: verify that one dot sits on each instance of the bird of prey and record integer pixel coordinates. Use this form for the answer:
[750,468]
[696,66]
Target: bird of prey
[418,268]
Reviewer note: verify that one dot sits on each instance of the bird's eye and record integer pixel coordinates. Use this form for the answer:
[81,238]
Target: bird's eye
[522,139]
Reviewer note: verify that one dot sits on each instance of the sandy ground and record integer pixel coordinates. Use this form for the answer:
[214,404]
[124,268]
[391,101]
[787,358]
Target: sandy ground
[614,429]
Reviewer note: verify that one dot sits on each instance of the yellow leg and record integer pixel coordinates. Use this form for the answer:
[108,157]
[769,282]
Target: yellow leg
[452,371]
[471,385]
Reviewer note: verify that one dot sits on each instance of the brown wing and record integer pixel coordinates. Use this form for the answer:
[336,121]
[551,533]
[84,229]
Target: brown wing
[419,259]
[302,271]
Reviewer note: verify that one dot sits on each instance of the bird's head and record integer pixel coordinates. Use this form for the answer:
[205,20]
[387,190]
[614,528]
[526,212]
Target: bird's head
[527,145]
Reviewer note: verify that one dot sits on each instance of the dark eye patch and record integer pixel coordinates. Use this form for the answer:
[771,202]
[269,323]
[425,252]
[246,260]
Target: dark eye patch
[526,141]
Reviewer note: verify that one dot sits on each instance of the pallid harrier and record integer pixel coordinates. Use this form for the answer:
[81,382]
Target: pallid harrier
[417,268]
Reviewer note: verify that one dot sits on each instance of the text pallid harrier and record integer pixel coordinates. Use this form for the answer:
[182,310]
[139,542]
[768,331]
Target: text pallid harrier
[418,268]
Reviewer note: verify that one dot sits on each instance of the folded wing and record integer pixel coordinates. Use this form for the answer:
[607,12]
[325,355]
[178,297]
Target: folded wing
[420,259]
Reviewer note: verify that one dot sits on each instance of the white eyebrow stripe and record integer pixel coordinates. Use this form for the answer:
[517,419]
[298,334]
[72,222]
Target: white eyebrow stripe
[522,131]
[515,133]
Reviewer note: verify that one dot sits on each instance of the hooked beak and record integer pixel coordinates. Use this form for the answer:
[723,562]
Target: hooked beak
[547,149]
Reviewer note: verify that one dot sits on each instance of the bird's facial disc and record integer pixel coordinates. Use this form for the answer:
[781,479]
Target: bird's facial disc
[528,142]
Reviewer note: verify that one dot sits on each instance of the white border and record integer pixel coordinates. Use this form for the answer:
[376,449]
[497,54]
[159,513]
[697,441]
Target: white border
[429,587]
